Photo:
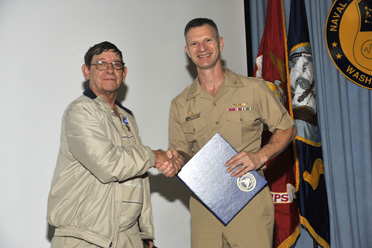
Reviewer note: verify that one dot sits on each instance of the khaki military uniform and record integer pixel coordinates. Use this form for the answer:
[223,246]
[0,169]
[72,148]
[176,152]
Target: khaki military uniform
[238,112]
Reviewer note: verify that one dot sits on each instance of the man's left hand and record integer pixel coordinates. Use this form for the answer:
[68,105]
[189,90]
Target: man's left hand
[244,162]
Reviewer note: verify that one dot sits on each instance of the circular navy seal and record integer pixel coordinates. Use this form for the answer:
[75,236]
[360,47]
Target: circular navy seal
[247,182]
[349,39]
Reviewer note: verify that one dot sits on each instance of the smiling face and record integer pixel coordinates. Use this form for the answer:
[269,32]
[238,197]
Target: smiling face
[203,47]
[105,82]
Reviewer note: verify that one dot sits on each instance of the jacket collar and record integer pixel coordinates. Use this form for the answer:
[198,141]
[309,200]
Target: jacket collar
[89,93]
[231,80]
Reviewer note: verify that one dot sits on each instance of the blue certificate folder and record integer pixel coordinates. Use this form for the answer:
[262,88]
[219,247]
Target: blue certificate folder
[205,175]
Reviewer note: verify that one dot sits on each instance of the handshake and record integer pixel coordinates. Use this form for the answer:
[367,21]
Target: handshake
[168,162]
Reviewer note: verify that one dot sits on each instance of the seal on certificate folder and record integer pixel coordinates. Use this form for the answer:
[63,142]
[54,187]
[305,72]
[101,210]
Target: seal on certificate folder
[247,182]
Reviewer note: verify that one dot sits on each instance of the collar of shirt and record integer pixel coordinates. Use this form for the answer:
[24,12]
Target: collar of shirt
[89,93]
[231,80]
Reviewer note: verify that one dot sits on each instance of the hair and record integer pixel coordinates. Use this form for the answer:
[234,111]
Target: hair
[98,49]
[198,22]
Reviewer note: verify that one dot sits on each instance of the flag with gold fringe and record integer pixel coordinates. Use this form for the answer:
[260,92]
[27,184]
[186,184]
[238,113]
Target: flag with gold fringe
[272,65]
[310,187]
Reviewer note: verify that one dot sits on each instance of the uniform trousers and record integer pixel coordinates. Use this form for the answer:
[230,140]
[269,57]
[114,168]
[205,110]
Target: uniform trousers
[252,227]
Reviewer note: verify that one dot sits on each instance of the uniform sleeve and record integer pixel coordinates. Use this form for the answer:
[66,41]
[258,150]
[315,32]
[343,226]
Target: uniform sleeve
[272,111]
[177,138]
[89,140]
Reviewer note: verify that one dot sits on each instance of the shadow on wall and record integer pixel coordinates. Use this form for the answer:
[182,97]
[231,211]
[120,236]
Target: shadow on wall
[50,232]
[190,67]
[171,189]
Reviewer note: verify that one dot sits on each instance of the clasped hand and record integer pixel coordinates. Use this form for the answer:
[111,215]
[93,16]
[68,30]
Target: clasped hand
[168,162]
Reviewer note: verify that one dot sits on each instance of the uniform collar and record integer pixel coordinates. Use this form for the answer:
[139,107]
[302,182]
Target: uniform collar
[231,80]
[89,93]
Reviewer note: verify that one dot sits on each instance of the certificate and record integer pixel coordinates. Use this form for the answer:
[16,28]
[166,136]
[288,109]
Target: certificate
[205,175]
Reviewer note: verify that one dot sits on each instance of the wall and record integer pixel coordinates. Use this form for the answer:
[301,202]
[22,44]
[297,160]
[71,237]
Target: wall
[43,44]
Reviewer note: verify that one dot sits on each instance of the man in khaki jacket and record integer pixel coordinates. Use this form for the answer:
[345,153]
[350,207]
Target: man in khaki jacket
[100,192]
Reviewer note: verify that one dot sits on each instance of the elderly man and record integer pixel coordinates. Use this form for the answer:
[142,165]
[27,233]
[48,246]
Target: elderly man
[100,192]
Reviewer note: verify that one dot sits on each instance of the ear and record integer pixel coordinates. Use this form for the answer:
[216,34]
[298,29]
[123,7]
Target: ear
[125,71]
[221,43]
[187,51]
[85,70]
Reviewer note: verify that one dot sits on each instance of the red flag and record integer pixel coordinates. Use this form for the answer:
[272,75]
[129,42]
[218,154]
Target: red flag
[272,66]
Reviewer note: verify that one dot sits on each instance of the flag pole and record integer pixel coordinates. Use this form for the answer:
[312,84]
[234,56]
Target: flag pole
[315,244]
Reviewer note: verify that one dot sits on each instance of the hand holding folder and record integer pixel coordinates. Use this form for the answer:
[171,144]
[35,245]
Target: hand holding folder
[205,175]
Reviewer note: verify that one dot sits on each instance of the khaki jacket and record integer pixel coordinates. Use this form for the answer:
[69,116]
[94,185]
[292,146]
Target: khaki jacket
[100,167]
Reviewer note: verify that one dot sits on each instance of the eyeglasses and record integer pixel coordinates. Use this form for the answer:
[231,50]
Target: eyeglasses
[102,65]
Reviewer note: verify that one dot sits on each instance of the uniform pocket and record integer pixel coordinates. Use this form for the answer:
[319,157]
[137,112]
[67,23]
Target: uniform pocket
[132,202]
[242,126]
[196,132]
[194,126]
